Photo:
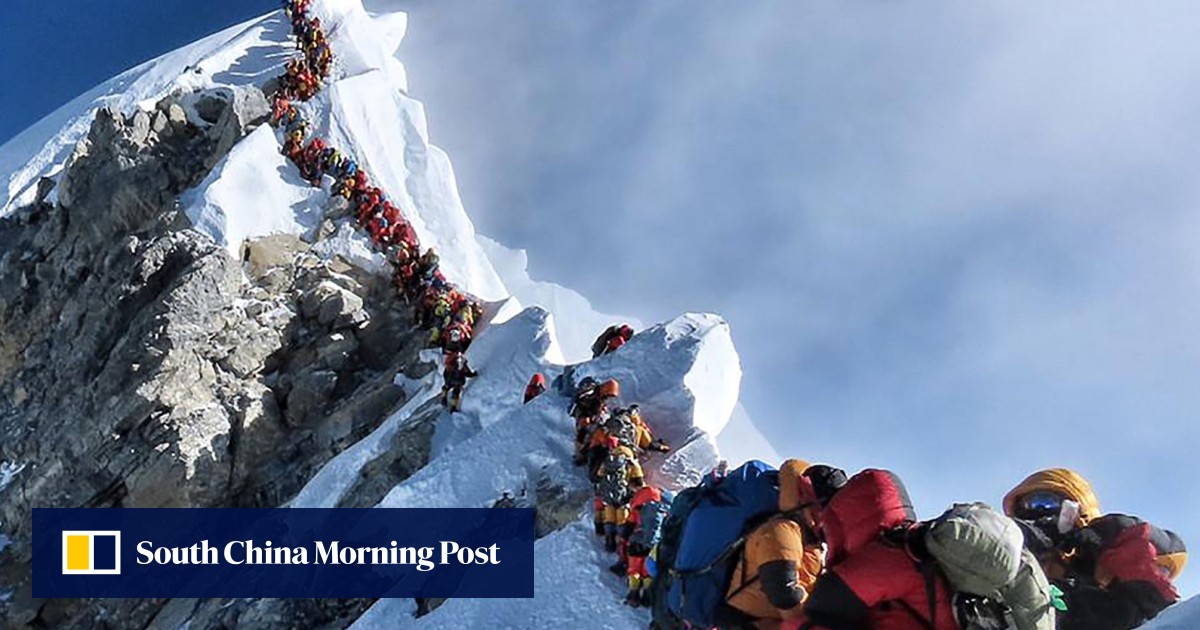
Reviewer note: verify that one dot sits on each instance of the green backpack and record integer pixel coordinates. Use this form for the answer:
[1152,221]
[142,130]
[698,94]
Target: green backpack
[999,584]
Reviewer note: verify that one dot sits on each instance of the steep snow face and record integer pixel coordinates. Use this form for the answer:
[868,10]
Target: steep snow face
[389,134]
[573,591]
[253,192]
[249,53]
[477,460]
[685,373]
[1181,616]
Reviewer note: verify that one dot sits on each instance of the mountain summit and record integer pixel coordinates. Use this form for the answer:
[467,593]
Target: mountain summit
[189,322]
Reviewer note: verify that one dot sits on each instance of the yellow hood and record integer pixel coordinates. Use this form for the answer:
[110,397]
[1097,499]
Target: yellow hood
[794,489]
[1068,483]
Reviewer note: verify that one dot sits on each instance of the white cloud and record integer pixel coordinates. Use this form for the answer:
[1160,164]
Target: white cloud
[960,242]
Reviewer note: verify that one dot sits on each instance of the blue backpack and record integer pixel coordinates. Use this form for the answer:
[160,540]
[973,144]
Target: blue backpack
[710,538]
[651,517]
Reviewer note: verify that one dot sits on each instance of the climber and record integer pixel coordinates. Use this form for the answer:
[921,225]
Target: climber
[378,226]
[616,424]
[646,440]
[293,147]
[874,576]
[406,234]
[281,111]
[424,310]
[454,376]
[782,558]
[612,338]
[428,265]
[591,404]
[537,385]
[464,314]
[1114,571]
[648,510]
[620,475]
[456,337]
[310,161]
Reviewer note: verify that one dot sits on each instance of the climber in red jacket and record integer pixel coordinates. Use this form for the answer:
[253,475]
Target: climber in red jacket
[873,578]
[1115,571]
[611,339]
[537,385]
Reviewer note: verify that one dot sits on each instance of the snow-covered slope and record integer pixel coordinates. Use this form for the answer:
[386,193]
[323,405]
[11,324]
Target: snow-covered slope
[685,376]
[685,373]
[252,52]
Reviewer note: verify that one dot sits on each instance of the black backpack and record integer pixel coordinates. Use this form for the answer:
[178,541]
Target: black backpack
[614,484]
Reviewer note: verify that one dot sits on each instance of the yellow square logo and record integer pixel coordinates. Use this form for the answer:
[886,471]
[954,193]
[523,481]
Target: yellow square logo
[91,553]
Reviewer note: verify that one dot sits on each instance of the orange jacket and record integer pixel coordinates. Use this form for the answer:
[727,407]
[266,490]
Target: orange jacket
[781,560]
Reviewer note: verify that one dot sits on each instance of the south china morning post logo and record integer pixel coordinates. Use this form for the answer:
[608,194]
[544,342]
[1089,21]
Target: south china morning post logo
[91,552]
[284,553]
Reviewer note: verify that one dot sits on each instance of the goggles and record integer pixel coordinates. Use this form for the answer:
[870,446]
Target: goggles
[1038,504]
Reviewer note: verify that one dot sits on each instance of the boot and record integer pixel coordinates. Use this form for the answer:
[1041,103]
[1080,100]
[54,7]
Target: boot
[610,541]
[632,598]
[644,596]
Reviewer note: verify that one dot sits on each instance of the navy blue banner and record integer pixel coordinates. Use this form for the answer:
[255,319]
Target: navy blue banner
[283,552]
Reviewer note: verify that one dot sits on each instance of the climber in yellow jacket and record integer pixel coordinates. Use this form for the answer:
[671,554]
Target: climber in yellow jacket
[783,557]
[620,475]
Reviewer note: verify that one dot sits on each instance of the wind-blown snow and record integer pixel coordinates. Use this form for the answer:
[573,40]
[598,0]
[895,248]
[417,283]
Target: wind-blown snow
[577,324]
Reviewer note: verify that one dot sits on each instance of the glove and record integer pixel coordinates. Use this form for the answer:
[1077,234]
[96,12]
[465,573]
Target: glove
[1056,598]
[660,446]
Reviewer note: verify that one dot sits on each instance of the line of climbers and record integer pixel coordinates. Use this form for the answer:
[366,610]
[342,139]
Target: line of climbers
[448,313]
[805,547]
[304,76]
[799,547]
[610,441]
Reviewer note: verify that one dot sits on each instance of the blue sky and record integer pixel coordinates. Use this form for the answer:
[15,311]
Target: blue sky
[54,50]
[959,242]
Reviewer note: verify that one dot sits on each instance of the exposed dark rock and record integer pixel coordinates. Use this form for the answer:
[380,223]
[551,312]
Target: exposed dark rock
[143,366]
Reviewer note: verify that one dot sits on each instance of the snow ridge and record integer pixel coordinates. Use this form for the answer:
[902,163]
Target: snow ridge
[684,373]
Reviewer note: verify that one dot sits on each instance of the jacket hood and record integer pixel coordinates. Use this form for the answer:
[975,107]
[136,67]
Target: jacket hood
[644,495]
[1063,481]
[794,488]
[871,502]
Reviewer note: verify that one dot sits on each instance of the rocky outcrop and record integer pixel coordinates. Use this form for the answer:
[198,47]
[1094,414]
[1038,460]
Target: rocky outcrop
[142,366]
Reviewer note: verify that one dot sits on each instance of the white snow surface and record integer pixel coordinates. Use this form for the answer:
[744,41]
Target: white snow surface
[252,192]
[685,373]
[497,444]
[1182,616]
[249,53]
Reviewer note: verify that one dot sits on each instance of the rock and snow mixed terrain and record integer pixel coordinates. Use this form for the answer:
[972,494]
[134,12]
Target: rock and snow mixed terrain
[185,325]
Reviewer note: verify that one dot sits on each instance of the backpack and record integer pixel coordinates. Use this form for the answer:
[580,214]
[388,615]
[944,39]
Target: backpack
[981,552]
[614,484]
[651,517]
[620,426]
[704,536]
